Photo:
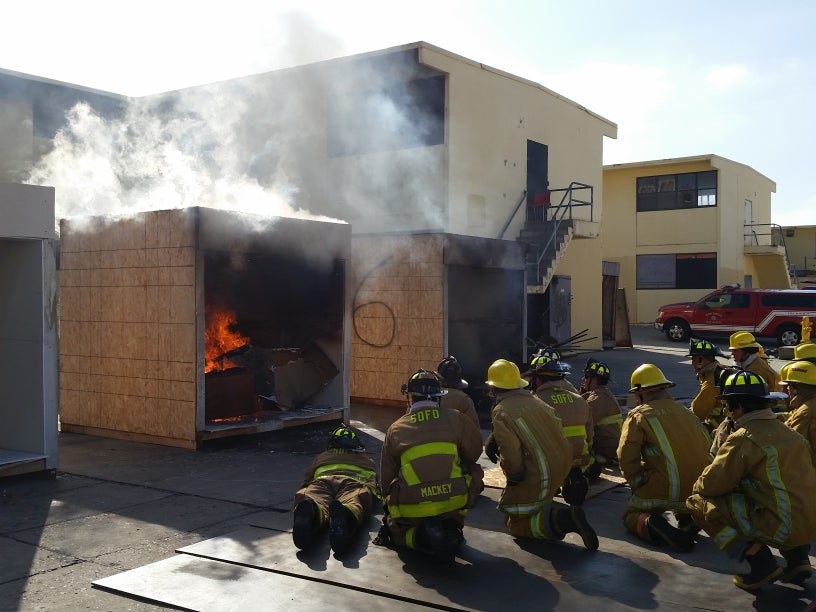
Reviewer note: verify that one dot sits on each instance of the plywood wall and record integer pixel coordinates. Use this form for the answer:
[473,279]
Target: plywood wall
[397,313]
[127,327]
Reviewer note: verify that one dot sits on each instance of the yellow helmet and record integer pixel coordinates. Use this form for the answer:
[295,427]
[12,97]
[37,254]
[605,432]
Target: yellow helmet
[805,350]
[648,376]
[802,372]
[505,374]
[783,373]
[743,340]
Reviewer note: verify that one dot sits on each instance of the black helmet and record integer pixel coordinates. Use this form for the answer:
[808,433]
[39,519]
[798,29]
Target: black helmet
[704,348]
[345,438]
[744,383]
[450,371]
[425,384]
[597,369]
[549,352]
[545,365]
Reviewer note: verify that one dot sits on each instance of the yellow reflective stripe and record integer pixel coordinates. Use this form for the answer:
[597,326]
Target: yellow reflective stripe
[573,431]
[334,467]
[428,508]
[672,469]
[610,420]
[409,537]
[426,450]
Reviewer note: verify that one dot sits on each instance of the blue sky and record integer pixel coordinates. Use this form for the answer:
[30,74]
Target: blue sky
[733,78]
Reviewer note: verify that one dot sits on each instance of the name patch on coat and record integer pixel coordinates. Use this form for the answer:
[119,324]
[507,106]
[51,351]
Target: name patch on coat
[434,490]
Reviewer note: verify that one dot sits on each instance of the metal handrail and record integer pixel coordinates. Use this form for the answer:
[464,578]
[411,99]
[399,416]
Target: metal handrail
[564,208]
[513,214]
[772,234]
[568,199]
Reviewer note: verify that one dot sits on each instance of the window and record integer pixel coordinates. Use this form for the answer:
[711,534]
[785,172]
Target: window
[804,299]
[728,300]
[673,191]
[683,271]
[401,115]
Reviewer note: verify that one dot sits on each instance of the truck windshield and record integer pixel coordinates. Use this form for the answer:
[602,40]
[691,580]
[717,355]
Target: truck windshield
[703,302]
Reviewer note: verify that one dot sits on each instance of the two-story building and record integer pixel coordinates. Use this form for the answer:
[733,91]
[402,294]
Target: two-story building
[681,227]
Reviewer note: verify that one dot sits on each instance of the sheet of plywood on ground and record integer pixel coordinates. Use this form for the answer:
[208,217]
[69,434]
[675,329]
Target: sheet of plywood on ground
[533,573]
[398,306]
[193,583]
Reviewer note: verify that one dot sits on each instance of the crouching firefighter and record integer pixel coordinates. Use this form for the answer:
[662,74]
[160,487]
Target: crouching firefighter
[425,490]
[759,490]
[530,446]
[338,492]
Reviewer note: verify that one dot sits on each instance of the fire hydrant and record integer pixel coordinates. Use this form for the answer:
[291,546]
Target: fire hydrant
[806,329]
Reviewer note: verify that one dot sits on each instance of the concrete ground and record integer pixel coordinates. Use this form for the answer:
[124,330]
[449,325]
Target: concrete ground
[130,526]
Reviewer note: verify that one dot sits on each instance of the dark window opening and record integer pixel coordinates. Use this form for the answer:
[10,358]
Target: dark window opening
[402,115]
[674,191]
[789,300]
[683,271]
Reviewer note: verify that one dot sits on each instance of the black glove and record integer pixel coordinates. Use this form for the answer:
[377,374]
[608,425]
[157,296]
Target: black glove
[492,449]
[575,487]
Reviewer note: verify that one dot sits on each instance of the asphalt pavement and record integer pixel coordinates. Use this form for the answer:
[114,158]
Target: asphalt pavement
[131,510]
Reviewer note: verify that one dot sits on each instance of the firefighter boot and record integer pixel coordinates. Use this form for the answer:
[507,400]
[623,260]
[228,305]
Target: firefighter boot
[798,567]
[306,524]
[573,520]
[660,531]
[686,524]
[434,539]
[763,568]
[341,526]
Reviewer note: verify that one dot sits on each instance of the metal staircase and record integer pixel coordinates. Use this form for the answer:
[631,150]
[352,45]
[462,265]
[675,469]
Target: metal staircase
[546,244]
[548,229]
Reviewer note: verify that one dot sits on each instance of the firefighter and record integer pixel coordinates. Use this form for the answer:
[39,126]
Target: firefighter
[759,490]
[705,404]
[425,489]
[551,353]
[547,376]
[805,351]
[607,416]
[662,451]
[800,379]
[450,375]
[747,354]
[528,443]
[338,491]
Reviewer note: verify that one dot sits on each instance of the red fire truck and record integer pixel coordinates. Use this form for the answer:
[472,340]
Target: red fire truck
[767,313]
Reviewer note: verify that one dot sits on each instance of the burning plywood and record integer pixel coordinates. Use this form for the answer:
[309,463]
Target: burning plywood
[173,324]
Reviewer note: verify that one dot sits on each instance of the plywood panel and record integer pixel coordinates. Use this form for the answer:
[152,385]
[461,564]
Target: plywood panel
[192,583]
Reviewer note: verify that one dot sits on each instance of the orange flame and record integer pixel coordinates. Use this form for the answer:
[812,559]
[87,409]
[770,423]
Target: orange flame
[220,337]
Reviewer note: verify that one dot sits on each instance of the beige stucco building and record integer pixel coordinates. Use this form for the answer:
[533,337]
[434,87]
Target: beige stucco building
[682,227]
[800,241]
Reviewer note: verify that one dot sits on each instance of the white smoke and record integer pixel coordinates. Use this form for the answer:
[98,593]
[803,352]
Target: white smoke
[333,141]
